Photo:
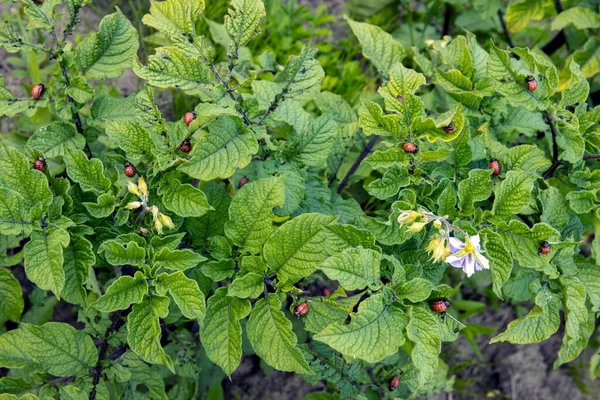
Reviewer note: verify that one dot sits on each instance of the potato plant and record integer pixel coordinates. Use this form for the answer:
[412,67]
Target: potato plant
[326,235]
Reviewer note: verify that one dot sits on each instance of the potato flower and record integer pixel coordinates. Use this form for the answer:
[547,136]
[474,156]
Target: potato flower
[467,256]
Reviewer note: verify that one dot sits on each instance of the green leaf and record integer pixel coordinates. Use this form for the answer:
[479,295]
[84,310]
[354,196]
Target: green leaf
[524,243]
[520,13]
[389,185]
[59,349]
[143,326]
[88,173]
[17,174]
[10,105]
[555,208]
[324,312]
[107,53]
[539,324]
[296,247]
[314,144]
[375,331]
[117,254]
[72,392]
[511,83]
[228,146]
[513,194]
[173,68]
[80,90]
[579,323]
[247,286]
[373,122]
[394,156]
[422,330]
[219,270]
[79,257]
[103,208]
[271,336]
[13,351]
[243,22]
[404,82]
[132,138]
[415,290]
[588,57]
[579,17]
[501,261]
[589,275]
[15,219]
[388,231]
[582,201]
[573,84]
[477,187]
[251,213]
[183,199]
[44,259]
[354,268]
[177,260]
[570,140]
[434,128]
[174,18]
[302,73]
[457,55]
[378,46]
[113,109]
[185,292]
[122,293]
[11,299]
[53,140]
[222,332]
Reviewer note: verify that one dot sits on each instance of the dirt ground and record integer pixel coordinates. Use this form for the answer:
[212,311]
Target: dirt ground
[506,371]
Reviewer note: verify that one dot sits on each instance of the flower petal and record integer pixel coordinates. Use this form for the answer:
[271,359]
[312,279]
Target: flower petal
[481,260]
[476,240]
[469,265]
[455,245]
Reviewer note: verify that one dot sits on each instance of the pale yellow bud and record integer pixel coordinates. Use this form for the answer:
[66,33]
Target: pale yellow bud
[158,225]
[438,249]
[133,205]
[142,186]
[132,187]
[417,226]
[166,221]
[437,224]
[155,212]
[407,217]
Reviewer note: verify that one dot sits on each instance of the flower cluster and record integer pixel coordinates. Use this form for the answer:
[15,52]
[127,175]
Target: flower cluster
[141,191]
[466,255]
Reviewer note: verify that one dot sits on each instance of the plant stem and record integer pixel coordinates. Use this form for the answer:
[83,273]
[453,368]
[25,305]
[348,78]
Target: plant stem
[97,372]
[364,153]
[505,29]
[63,68]
[558,40]
[593,157]
[555,163]
[447,16]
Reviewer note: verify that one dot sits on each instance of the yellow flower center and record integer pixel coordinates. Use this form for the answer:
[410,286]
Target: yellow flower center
[469,247]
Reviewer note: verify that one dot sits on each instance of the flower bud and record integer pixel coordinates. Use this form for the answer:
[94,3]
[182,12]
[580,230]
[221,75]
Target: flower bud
[142,186]
[132,187]
[133,205]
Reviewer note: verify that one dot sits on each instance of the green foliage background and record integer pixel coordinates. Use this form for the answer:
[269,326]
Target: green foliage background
[165,275]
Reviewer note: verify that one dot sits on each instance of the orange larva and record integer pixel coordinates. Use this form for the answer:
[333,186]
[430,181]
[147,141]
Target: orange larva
[301,310]
[440,305]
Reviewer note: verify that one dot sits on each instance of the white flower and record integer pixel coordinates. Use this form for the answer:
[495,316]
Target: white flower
[467,255]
